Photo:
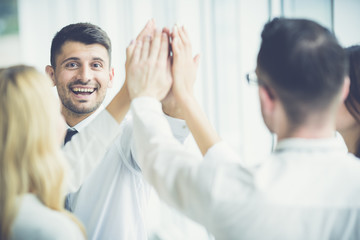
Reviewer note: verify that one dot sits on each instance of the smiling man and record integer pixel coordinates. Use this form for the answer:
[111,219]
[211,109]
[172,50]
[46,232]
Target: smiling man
[107,191]
[80,69]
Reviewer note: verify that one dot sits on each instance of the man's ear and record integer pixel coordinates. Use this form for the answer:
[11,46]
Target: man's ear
[267,100]
[51,73]
[345,89]
[111,75]
[268,104]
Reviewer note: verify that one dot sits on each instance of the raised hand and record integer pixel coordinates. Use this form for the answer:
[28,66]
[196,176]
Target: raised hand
[169,104]
[148,30]
[184,66]
[184,69]
[146,64]
[119,105]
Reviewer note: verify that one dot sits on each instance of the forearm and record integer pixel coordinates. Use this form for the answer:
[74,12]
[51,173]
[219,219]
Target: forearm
[174,171]
[204,133]
[120,104]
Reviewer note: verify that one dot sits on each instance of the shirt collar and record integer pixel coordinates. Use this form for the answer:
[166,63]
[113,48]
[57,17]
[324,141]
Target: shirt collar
[334,144]
[81,125]
[178,127]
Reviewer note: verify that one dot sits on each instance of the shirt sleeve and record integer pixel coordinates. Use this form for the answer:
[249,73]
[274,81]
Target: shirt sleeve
[178,128]
[177,174]
[88,147]
[221,150]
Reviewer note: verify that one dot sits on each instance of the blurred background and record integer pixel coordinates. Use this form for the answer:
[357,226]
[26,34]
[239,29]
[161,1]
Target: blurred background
[226,33]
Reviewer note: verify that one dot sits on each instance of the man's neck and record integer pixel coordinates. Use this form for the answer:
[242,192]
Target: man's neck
[351,137]
[312,129]
[72,119]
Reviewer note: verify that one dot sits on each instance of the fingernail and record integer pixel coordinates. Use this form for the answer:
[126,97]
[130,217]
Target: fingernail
[131,42]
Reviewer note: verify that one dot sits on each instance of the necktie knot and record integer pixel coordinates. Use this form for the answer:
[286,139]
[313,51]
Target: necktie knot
[69,134]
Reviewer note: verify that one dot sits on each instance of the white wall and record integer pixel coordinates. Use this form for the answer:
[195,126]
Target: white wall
[226,33]
[347,21]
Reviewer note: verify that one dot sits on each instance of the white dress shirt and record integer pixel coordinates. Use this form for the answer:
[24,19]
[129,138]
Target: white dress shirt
[113,197]
[34,221]
[88,147]
[307,189]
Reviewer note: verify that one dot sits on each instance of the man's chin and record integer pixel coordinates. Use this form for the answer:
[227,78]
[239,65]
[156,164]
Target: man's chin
[83,110]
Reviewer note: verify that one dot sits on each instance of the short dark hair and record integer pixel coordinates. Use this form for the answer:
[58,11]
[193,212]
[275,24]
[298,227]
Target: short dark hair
[304,64]
[352,102]
[86,33]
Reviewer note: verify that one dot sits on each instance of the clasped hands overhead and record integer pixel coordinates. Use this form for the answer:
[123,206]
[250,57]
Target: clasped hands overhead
[159,64]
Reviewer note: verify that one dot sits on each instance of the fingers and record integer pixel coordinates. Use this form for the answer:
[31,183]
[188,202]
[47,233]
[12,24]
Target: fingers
[164,50]
[130,50]
[158,47]
[137,52]
[166,30]
[176,41]
[147,30]
[155,46]
[149,50]
[183,35]
[168,34]
[181,43]
[145,49]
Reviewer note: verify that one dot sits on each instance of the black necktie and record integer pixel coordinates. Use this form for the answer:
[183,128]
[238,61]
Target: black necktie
[69,134]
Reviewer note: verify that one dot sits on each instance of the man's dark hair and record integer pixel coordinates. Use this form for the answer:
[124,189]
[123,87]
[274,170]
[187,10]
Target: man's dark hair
[352,101]
[85,33]
[304,64]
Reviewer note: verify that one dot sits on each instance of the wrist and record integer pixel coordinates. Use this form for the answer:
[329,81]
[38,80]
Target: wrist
[174,112]
[186,104]
[134,93]
[185,100]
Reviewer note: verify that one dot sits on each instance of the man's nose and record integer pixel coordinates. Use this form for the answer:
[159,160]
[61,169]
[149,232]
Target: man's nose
[85,74]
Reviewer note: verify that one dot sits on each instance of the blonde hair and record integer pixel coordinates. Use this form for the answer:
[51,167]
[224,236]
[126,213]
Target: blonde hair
[31,159]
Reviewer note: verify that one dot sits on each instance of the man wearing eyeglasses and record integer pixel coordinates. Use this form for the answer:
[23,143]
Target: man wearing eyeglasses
[309,188]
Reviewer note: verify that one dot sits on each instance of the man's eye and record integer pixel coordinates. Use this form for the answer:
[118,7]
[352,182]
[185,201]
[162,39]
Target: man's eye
[71,65]
[97,65]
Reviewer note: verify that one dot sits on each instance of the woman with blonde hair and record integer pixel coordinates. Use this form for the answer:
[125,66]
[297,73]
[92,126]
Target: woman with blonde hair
[32,167]
[348,122]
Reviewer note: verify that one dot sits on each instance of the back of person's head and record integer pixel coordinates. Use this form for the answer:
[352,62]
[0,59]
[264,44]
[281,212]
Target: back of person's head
[352,102]
[85,33]
[30,154]
[304,64]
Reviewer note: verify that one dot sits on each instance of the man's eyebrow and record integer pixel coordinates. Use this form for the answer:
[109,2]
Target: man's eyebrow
[77,59]
[98,59]
[70,59]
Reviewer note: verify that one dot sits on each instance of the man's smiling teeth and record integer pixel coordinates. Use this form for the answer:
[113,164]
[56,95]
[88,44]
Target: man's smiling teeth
[83,90]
